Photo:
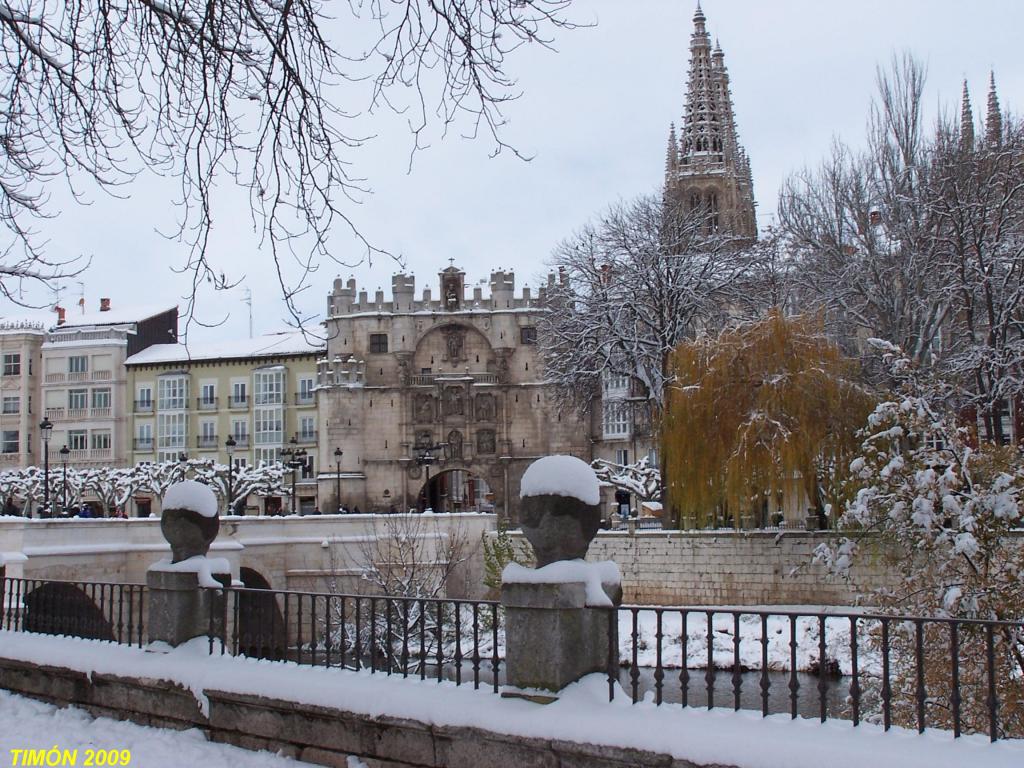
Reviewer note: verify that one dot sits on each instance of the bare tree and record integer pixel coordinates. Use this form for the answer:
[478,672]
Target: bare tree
[863,230]
[256,91]
[637,281]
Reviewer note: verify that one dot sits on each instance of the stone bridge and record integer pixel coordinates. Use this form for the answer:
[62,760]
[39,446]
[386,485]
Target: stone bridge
[313,553]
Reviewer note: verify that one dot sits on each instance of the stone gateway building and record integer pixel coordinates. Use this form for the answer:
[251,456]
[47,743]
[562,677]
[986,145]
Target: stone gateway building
[456,378]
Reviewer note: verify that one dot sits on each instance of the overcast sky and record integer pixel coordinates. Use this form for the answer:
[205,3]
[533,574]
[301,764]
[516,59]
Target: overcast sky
[594,117]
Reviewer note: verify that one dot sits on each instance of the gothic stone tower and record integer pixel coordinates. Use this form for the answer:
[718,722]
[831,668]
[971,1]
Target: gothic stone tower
[706,168]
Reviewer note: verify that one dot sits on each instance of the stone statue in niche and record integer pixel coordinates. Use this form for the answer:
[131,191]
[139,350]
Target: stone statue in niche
[453,405]
[485,407]
[485,441]
[454,343]
[423,408]
[455,444]
[424,439]
[403,371]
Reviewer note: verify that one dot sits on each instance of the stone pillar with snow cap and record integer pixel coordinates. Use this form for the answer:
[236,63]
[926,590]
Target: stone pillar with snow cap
[185,595]
[560,617]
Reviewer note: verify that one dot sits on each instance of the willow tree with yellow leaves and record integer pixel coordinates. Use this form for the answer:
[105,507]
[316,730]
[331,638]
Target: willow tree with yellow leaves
[760,412]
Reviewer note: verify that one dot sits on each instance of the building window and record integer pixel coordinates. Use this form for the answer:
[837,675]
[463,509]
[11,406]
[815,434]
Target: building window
[12,364]
[307,428]
[208,430]
[240,430]
[238,393]
[12,404]
[78,399]
[100,441]
[78,440]
[528,335]
[172,393]
[10,441]
[616,419]
[268,426]
[306,390]
[145,397]
[268,455]
[378,343]
[78,364]
[144,435]
[101,398]
[171,429]
[268,387]
[614,385]
[622,456]
[208,394]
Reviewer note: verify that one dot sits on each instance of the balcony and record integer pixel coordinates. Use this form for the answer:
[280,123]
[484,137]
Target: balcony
[54,378]
[305,398]
[429,379]
[79,455]
[207,403]
[143,406]
[241,441]
[238,403]
[77,413]
[143,444]
[206,442]
[78,376]
[54,414]
[100,413]
[307,438]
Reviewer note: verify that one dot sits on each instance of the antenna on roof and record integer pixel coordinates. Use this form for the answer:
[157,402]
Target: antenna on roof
[248,301]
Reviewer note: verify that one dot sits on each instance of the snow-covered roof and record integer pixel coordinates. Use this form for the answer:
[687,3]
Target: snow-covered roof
[114,316]
[561,476]
[271,345]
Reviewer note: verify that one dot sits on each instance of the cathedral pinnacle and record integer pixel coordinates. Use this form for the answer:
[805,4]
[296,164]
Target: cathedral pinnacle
[993,117]
[966,121]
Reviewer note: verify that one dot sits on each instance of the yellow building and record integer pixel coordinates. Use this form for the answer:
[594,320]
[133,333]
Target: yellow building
[188,399]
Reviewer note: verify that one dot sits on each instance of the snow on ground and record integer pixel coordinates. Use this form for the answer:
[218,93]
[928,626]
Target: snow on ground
[837,640]
[582,714]
[31,724]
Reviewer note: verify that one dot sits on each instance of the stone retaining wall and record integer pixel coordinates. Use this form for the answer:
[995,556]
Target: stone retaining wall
[314,734]
[732,568]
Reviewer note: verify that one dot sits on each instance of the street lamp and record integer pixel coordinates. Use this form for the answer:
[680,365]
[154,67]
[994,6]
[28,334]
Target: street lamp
[46,429]
[229,446]
[296,459]
[64,459]
[183,464]
[425,459]
[337,477]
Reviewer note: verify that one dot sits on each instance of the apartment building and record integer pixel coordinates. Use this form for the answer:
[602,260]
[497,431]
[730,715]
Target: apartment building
[21,342]
[84,387]
[189,399]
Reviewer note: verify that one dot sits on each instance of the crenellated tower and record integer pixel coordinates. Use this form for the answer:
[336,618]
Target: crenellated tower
[707,170]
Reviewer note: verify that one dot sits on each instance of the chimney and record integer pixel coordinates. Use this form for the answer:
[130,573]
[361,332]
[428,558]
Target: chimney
[104,305]
[61,319]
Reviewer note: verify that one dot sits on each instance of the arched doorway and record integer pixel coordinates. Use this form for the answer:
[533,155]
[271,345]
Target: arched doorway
[261,630]
[456,490]
[64,609]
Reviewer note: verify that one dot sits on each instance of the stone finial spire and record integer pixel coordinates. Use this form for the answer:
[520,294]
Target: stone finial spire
[966,120]
[993,117]
[672,154]
[698,20]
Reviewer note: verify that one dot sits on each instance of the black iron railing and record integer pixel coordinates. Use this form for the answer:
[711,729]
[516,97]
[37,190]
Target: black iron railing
[93,610]
[457,640]
[894,670]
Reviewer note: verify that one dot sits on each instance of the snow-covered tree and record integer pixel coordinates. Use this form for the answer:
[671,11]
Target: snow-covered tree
[112,486]
[943,512]
[639,478]
[757,411]
[632,285]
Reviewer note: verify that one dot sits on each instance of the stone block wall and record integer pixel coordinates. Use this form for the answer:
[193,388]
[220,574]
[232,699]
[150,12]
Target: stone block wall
[731,568]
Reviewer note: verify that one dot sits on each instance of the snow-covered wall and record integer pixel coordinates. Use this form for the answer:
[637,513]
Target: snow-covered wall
[298,553]
[728,568]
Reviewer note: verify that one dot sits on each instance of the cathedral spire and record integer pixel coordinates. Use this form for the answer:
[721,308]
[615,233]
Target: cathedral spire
[710,169]
[966,121]
[993,117]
